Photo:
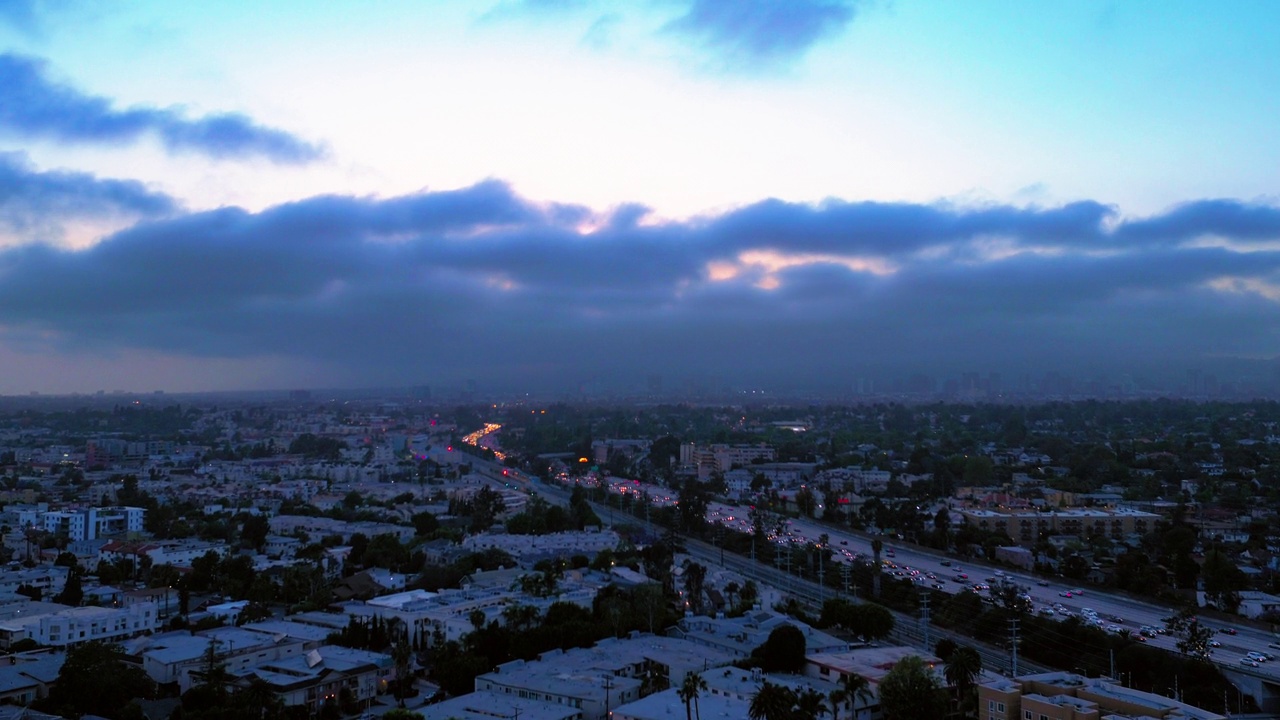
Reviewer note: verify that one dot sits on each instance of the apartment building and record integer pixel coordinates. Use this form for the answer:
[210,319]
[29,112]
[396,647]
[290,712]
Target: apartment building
[319,676]
[74,626]
[722,458]
[598,679]
[1027,527]
[1068,696]
[91,523]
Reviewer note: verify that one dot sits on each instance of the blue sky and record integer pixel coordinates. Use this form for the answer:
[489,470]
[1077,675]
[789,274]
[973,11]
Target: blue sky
[234,194]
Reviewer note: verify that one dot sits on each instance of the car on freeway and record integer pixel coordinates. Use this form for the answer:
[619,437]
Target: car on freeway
[1065,593]
[1256,656]
[1115,629]
[1248,662]
[1042,583]
[945,563]
[1214,643]
[1115,618]
[1078,591]
[1227,631]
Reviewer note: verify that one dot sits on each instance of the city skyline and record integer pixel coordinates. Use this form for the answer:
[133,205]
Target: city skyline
[539,194]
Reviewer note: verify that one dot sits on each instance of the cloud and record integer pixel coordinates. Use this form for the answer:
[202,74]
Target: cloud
[36,205]
[1233,219]
[760,33]
[482,283]
[34,106]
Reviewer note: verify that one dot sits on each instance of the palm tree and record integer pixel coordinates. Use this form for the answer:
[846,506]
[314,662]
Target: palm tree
[856,688]
[962,669]
[772,702]
[520,616]
[836,697]
[689,690]
[809,705]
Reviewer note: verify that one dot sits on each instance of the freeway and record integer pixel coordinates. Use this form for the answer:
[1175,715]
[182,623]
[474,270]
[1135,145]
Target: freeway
[1114,612]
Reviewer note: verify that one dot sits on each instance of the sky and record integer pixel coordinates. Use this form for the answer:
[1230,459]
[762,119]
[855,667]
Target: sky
[541,195]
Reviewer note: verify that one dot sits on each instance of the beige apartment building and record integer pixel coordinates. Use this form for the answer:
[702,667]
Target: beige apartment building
[1067,696]
[1027,527]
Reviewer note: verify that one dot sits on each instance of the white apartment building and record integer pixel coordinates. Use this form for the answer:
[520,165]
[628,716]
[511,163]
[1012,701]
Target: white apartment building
[722,458]
[93,523]
[73,626]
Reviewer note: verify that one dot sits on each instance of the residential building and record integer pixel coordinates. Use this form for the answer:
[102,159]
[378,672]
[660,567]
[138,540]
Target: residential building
[1068,696]
[1027,527]
[490,705]
[739,636]
[69,627]
[319,676]
[91,523]
[597,679]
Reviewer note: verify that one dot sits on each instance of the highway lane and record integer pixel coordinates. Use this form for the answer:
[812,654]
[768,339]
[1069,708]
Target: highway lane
[1122,612]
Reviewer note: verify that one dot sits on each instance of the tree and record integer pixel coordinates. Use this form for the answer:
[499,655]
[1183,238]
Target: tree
[254,530]
[424,523]
[782,651]
[856,689]
[402,655]
[910,690]
[806,501]
[772,702]
[72,593]
[1011,596]
[1223,580]
[94,680]
[963,668]
[942,527]
[809,705]
[692,504]
[486,505]
[690,688]
[870,621]
[1192,637]
[695,576]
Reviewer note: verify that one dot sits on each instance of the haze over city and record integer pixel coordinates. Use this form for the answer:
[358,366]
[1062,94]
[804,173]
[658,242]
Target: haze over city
[538,195]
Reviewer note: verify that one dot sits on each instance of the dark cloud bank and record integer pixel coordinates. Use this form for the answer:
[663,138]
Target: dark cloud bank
[481,283]
[33,106]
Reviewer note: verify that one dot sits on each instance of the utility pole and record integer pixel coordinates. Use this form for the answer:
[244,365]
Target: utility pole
[822,587]
[845,570]
[924,619]
[1013,644]
[1112,651]
[608,685]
